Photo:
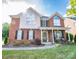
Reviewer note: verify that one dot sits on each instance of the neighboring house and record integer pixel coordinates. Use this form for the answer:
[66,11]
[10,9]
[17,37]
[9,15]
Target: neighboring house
[70,22]
[31,25]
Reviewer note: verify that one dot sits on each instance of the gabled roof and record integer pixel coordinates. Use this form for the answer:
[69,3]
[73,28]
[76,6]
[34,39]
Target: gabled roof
[29,9]
[16,16]
[56,14]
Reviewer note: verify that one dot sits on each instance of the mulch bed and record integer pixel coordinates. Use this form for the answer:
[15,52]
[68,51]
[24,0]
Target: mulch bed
[31,45]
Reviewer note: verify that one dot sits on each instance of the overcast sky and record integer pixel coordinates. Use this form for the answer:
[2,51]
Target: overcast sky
[45,7]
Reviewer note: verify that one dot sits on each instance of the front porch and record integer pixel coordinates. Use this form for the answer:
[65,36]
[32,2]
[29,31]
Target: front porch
[51,36]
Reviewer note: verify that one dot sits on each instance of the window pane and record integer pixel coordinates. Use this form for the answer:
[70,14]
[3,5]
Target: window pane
[19,35]
[43,22]
[56,21]
[31,35]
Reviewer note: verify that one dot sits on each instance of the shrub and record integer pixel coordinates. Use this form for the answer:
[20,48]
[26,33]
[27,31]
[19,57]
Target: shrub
[75,39]
[37,41]
[26,42]
[67,36]
[17,42]
[71,37]
[6,40]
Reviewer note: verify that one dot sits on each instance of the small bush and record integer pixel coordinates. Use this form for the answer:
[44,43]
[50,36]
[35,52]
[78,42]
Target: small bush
[26,42]
[71,37]
[17,42]
[37,41]
[21,42]
[67,36]
[75,39]
[6,40]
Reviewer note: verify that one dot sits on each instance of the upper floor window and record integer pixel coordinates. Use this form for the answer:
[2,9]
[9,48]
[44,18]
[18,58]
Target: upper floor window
[44,23]
[30,17]
[56,21]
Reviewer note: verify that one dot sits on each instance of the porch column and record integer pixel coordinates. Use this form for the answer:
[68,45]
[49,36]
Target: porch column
[52,37]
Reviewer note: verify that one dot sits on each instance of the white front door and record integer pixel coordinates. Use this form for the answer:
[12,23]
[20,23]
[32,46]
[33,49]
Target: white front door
[44,36]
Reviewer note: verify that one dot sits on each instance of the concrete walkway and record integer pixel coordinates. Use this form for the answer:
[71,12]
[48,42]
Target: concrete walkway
[28,48]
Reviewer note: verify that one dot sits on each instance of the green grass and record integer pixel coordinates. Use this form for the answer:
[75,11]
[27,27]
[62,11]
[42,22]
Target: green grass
[59,52]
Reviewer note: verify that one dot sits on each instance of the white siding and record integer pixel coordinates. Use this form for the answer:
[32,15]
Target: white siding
[29,20]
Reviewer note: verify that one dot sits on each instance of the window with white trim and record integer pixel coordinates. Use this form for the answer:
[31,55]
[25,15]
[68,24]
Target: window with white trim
[43,23]
[30,34]
[19,35]
[56,21]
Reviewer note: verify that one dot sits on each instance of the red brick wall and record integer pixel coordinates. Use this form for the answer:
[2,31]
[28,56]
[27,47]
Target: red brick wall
[25,34]
[13,27]
[38,34]
[61,22]
[50,24]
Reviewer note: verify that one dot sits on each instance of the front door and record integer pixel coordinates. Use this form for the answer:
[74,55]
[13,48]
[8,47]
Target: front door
[57,35]
[44,36]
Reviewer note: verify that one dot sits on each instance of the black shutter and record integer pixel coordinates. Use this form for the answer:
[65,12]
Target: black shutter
[22,34]
[33,34]
[16,34]
[41,23]
[27,35]
[46,23]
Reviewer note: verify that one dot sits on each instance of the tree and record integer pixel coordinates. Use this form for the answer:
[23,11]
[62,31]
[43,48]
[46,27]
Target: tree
[5,30]
[72,10]
[6,40]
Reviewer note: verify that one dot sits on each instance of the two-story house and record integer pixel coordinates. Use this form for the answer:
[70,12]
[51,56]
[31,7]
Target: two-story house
[31,25]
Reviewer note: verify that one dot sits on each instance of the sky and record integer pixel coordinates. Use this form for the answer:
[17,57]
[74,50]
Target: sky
[44,7]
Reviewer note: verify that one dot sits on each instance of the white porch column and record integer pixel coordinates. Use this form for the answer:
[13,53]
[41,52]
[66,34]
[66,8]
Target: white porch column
[52,37]
[41,35]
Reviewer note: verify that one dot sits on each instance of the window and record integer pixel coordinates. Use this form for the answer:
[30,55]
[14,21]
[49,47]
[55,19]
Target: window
[30,34]
[56,21]
[19,34]
[44,23]
[30,16]
[30,19]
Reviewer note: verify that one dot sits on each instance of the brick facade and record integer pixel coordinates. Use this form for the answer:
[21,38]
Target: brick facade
[13,27]
[15,23]
[51,20]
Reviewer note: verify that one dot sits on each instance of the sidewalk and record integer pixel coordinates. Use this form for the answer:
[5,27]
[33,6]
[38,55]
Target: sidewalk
[28,48]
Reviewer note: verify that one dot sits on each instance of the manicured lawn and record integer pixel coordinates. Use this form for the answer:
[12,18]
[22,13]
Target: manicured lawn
[59,52]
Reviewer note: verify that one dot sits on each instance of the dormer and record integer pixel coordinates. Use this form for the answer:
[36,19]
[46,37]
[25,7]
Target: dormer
[56,20]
